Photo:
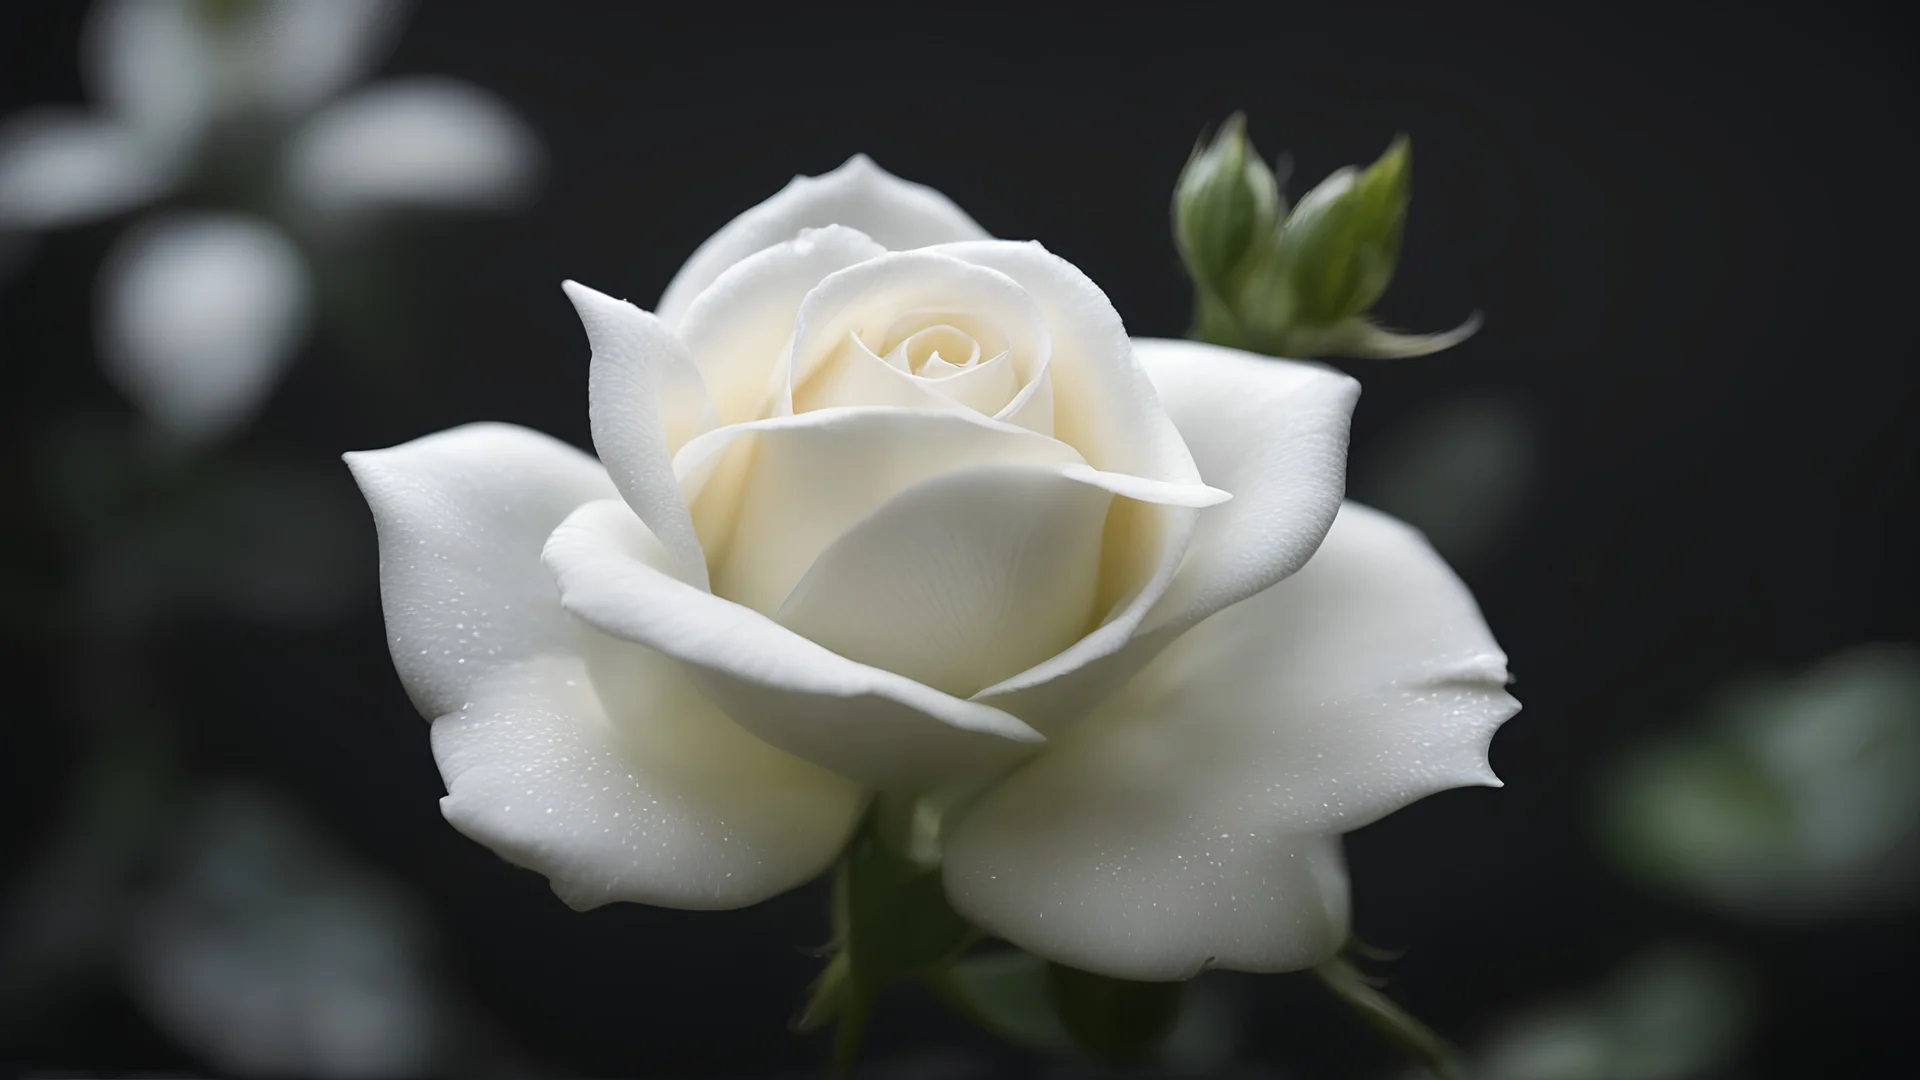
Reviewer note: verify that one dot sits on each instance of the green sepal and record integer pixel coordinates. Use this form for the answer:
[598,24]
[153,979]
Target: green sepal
[1390,1019]
[1340,245]
[1114,1021]
[891,920]
[1008,993]
[1364,339]
[1226,208]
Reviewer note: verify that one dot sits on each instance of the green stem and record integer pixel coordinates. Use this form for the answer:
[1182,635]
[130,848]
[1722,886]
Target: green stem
[851,1029]
[1213,321]
[1384,1015]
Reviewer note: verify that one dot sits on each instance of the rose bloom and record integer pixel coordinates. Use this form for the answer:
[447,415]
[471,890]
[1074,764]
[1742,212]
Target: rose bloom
[885,505]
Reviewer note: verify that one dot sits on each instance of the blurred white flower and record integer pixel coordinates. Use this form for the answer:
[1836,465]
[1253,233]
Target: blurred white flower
[60,167]
[413,142]
[270,954]
[173,68]
[171,78]
[197,316]
[1796,799]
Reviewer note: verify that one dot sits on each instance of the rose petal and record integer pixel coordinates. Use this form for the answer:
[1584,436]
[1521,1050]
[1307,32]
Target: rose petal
[646,400]
[769,496]
[866,300]
[1363,682]
[663,801]
[1110,884]
[412,142]
[1105,407]
[462,515]
[879,728]
[897,214]
[1272,432]
[198,316]
[740,329]
[62,167]
[960,580]
[855,376]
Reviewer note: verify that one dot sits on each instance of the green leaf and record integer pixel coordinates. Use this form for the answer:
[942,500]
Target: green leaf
[1114,1021]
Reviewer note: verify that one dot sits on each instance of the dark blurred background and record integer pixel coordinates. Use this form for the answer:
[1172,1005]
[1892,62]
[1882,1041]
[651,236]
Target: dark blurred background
[1691,232]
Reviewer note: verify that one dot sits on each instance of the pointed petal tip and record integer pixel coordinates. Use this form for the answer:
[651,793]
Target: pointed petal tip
[577,898]
[588,301]
[360,465]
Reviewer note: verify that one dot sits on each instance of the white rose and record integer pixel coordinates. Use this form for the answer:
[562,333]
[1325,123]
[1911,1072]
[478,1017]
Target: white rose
[884,504]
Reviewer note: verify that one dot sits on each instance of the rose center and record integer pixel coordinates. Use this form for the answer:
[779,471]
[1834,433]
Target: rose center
[935,345]
[937,350]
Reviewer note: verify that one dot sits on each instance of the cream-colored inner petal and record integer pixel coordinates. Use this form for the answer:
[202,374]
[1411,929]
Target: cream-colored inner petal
[909,331]
[935,367]
[943,341]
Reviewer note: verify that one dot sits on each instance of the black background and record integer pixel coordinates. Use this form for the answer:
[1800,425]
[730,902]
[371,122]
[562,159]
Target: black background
[1692,236]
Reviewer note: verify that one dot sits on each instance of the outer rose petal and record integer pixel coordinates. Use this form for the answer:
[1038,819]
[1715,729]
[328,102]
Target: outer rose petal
[1114,887]
[659,799]
[665,802]
[861,195]
[645,399]
[462,515]
[1363,682]
[874,726]
[1274,434]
